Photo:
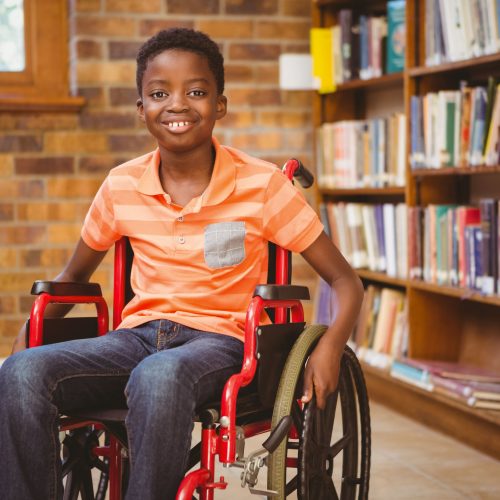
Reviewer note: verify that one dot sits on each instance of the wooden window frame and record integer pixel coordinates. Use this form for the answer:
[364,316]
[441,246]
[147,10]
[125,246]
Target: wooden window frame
[44,83]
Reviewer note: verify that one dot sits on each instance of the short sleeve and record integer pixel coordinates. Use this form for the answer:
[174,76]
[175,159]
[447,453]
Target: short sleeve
[99,228]
[288,220]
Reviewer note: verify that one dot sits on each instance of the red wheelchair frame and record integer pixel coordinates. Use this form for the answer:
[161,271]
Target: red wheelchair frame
[219,441]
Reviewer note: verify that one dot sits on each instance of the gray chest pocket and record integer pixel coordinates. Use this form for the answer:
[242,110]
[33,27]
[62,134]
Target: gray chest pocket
[224,244]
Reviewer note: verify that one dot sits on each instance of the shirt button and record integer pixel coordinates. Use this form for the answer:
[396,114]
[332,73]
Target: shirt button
[180,219]
[182,240]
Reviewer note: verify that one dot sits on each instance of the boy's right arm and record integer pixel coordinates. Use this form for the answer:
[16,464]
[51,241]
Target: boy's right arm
[80,268]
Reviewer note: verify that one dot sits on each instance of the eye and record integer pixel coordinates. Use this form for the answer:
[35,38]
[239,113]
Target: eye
[159,94]
[197,93]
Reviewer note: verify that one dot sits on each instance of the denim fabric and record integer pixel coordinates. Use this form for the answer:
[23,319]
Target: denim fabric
[161,369]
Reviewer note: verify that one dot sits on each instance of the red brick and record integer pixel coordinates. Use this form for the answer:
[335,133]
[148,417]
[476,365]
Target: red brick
[24,143]
[105,26]
[44,166]
[6,165]
[123,96]
[48,257]
[25,303]
[149,27]
[45,212]
[135,143]
[6,211]
[284,118]
[260,141]
[101,164]
[88,49]
[17,281]
[253,97]
[238,73]
[252,7]
[105,72]
[193,7]
[75,142]
[267,73]
[21,189]
[8,304]
[88,5]
[37,121]
[239,119]
[22,235]
[222,28]
[8,258]
[123,50]
[299,8]
[297,98]
[107,120]
[128,6]
[283,30]
[64,233]
[297,48]
[94,96]
[254,51]
[73,187]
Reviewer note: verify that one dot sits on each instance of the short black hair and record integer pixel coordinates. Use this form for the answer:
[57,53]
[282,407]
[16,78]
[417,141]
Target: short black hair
[181,39]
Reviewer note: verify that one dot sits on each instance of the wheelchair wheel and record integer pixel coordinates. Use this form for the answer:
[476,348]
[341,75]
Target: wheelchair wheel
[79,464]
[332,453]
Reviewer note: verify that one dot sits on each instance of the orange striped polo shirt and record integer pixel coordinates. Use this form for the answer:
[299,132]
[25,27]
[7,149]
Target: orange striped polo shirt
[198,265]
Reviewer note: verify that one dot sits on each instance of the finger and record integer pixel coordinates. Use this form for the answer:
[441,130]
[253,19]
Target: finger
[320,397]
[308,386]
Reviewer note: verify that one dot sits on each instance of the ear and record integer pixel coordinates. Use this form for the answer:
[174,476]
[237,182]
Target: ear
[140,109]
[221,106]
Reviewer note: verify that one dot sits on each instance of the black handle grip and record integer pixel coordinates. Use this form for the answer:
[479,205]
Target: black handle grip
[303,175]
[278,434]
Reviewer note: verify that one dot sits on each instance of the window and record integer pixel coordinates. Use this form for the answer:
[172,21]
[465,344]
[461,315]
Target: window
[34,65]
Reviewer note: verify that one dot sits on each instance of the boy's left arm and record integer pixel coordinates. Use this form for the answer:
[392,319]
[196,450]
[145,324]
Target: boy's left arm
[322,369]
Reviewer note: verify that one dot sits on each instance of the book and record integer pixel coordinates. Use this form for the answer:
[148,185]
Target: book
[321,40]
[414,375]
[467,388]
[396,36]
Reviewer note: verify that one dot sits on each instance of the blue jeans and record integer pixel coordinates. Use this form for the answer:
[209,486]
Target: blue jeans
[162,370]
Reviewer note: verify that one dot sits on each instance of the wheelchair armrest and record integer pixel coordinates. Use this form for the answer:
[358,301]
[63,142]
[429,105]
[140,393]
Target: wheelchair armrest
[62,289]
[282,292]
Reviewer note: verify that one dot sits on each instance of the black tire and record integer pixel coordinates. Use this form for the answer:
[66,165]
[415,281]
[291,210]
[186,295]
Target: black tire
[78,464]
[346,409]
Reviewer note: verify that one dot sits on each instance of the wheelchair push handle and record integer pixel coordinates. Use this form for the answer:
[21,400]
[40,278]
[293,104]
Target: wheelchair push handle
[295,169]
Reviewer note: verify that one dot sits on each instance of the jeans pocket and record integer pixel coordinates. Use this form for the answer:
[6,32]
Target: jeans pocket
[224,244]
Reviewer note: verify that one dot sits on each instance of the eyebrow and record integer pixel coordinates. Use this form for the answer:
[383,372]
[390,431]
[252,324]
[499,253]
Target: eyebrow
[190,81]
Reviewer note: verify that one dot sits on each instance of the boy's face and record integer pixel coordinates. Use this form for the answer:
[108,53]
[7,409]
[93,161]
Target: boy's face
[180,103]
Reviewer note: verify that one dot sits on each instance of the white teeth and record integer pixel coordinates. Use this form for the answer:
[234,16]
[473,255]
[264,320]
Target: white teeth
[178,124]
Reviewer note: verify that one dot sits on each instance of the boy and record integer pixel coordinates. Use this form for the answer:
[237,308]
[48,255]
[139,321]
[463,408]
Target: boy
[198,216]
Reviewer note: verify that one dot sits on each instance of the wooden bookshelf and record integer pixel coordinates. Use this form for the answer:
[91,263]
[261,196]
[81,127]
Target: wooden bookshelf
[444,322]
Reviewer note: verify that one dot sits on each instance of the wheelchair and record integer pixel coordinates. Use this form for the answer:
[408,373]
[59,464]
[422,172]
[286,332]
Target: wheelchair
[310,454]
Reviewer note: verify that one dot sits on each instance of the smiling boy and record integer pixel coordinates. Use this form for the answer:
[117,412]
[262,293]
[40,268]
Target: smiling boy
[198,216]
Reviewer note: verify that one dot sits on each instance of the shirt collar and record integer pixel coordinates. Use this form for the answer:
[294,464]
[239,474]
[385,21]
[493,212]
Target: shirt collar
[221,184]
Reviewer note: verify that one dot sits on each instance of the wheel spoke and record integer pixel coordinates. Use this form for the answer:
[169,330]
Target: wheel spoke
[291,486]
[72,486]
[297,416]
[339,445]
[87,488]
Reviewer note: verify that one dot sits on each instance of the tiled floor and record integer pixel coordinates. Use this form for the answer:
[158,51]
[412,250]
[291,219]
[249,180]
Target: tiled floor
[410,461]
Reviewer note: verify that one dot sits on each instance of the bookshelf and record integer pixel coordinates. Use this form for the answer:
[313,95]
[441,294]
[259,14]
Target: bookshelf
[447,323]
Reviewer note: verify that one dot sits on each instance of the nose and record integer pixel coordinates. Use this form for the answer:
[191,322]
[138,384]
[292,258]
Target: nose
[178,103]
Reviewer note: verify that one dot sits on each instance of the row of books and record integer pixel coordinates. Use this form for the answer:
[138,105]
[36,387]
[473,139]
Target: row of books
[460,29]
[370,236]
[470,385]
[456,245]
[362,153]
[364,46]
[381,332]
[453,128]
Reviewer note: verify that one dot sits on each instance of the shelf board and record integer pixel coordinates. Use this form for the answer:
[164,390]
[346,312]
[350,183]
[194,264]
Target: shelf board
[479,170]
[350,3]
[382,81]
[381,277]
[476,427]
[367,191]
[459,293]
[454,66]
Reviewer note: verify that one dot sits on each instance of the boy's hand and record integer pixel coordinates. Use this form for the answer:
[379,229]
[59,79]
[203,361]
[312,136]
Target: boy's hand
[20,340]
[322,373]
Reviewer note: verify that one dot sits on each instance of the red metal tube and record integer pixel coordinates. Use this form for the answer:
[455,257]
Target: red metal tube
[119,281]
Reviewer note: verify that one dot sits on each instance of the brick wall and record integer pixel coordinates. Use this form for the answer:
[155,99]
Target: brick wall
[51,164]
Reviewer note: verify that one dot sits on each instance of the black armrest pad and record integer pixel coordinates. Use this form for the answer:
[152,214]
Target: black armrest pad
[282,292]
[59,288]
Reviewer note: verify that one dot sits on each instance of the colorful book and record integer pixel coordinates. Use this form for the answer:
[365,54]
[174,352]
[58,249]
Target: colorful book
[396,36]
